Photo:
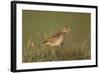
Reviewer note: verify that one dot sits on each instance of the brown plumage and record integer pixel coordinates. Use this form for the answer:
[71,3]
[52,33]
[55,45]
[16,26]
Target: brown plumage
[57,38]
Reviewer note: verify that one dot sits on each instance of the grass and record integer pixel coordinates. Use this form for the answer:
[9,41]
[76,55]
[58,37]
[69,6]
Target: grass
[42,53]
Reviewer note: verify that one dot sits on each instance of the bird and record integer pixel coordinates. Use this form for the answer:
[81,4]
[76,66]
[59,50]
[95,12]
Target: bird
[57,38]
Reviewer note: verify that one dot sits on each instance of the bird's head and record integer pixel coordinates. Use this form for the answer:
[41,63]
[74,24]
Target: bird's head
[66,29]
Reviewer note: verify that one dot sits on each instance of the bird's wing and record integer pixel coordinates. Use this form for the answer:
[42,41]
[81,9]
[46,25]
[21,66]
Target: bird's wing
[53,38]
[57,35]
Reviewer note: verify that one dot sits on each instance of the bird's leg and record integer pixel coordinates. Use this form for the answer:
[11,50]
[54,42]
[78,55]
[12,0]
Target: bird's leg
[56,51]
[59,52]
[53,53]
[58,48]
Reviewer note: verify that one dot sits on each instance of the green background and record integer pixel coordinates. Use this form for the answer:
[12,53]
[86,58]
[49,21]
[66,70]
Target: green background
[36,23]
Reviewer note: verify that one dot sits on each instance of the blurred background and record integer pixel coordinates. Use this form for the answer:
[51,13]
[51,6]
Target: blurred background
[37,25]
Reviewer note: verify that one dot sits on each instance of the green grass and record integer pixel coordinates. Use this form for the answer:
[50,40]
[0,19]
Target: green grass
[55,54]
[42,53]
